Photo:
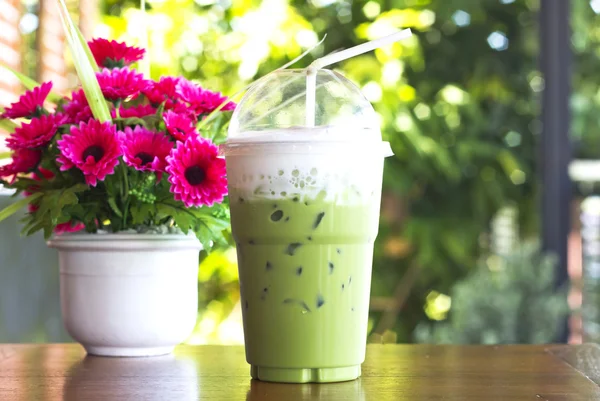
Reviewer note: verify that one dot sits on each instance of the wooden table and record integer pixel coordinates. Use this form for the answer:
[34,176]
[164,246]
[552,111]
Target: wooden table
[391,372]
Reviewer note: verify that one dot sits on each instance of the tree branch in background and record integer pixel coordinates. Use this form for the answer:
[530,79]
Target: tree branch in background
[403,289]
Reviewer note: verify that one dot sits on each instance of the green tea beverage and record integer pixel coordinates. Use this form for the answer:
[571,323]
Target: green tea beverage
[304,214]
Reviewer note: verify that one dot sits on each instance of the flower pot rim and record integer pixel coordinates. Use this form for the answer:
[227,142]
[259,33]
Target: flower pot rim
[123,240]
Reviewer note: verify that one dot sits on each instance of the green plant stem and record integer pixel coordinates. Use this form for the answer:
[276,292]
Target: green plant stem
[118,121]
[125,208]
[125,186]
[124,192]
[14,207]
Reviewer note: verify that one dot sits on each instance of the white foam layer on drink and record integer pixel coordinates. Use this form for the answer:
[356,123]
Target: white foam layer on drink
[323,170]
[347,134]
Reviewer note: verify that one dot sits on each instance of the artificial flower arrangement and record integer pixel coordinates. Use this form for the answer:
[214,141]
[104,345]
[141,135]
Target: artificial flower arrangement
[130,159]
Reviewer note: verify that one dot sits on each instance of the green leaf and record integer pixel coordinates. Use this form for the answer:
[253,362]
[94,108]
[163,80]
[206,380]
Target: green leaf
[183,218]
[183,221]
[213,222]
[78,188]
[114,207]
[75,212]
[66,197]
[27,221]
[160,109]
[33,229]
[209,228]
[55,203]
[25,183]
[7,125]
[134,121]
[48,229]
[5,155]
[85,70]
[14,207]
[152,120]
[88,51]
[47,203]
[204,235]
[141,213]
[29,84]
[217,129]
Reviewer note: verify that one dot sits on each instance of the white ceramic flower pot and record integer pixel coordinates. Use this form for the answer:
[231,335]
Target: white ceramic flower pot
[128,294]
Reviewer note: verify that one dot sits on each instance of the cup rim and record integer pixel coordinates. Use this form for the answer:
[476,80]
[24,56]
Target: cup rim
[339,148]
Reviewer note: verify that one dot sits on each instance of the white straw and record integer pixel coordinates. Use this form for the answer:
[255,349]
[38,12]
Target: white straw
[310,49]
[360,49]
[332,58]
[311,95]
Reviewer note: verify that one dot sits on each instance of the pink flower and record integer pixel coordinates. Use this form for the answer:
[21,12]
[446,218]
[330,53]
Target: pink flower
[111,54]
[30,104]
[201,101]
[197,174]
[179,125]
[68,227]
[36,133]
[183,109]
[93,148]
[121,83]
[164,89]
[23,161]
[145,150]
[140,111]
[78,109]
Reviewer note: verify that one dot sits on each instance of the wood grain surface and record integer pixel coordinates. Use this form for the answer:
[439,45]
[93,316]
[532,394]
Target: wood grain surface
[391,372]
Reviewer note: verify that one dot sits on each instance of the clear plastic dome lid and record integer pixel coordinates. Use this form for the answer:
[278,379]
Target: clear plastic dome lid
[275,109]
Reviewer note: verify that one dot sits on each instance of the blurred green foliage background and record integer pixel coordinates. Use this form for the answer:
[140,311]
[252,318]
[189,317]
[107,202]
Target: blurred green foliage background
[458,102]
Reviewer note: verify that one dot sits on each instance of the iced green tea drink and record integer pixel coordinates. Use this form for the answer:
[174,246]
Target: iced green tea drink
[305,213]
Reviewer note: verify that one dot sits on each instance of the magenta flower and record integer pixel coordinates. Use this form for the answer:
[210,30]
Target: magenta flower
[23,161]
[46,175]
[93,148]
[111,54]
[197,174]
[163,90]
[38,132]
[145,150]
[201,101]
[30,104]
[178,125]
[140,111]
[121,83]
[68,227]
[78,109]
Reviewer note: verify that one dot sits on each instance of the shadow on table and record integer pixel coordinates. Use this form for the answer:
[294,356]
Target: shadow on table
[150,379]
[345,391]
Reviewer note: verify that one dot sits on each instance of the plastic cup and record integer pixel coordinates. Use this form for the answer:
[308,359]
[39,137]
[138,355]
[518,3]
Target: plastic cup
[305,213]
